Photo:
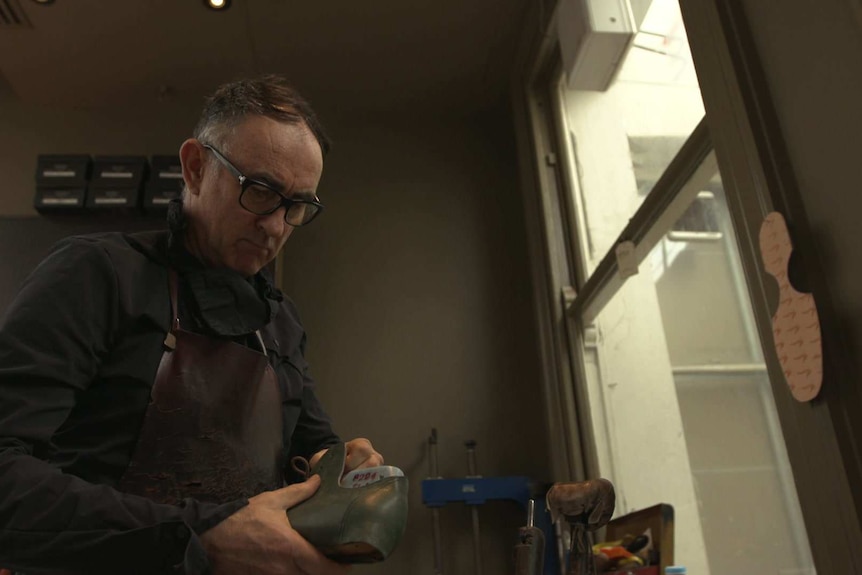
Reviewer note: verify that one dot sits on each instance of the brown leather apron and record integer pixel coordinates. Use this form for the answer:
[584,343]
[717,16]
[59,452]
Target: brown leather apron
[213,428]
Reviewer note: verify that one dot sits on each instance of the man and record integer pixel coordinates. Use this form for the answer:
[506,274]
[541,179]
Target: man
[153,386]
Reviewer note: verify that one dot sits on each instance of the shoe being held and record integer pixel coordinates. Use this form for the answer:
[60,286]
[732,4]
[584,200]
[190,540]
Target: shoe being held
[360,523]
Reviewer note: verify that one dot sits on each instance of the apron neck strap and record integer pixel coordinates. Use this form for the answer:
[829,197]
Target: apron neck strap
[172,285]
[170,342]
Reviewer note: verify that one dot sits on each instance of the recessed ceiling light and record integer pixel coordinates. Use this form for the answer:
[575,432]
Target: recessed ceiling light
[216,4]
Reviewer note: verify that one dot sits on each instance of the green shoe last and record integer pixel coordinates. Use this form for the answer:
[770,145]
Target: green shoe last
[351,525]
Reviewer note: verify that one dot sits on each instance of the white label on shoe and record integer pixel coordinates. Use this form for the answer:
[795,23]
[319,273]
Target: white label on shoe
[362,477]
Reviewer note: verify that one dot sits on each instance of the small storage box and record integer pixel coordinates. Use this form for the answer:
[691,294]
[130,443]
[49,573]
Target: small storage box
[60,199]
[61,182]
[165,184]
[116,182]
[62,171]
[118,171]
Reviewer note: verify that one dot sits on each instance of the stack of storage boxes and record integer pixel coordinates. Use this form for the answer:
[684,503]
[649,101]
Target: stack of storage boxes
[61,182]
[117,182]
[77,182]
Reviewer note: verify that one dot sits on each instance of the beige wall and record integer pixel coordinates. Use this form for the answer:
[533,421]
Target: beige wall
[26,131]
[811,65]
[414,291]
[413,287]
[812,68]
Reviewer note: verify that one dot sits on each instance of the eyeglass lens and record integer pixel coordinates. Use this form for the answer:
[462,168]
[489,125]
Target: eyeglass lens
[260,200]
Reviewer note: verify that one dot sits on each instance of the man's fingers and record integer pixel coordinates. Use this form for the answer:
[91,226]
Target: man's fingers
[360,454]
[287,497]
[359,462]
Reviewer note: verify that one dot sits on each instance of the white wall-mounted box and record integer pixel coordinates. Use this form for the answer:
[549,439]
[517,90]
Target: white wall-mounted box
[594,38]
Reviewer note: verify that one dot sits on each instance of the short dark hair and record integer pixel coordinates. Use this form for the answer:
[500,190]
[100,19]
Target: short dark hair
[270,96]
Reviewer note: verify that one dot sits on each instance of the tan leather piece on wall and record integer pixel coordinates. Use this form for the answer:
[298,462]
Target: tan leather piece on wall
[795,324]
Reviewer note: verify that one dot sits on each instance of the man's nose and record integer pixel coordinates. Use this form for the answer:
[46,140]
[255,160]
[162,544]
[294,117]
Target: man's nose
[273,224]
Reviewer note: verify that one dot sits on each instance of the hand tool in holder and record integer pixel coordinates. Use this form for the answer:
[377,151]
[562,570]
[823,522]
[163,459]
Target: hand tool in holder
[474,510]
[477,490]
[433,473]
[530,550]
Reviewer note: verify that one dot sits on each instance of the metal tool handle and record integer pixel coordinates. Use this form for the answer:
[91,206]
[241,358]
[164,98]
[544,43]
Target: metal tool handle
[474,510]
[434,473]
[530,550]
[433,470]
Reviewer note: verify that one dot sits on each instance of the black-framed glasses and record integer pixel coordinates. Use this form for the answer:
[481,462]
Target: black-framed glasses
[262,199]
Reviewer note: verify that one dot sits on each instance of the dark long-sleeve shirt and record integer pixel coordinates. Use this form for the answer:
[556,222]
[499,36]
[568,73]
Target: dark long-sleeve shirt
[79,350]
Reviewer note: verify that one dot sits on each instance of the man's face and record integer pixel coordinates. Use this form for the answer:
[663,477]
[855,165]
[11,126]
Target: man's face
[222,233]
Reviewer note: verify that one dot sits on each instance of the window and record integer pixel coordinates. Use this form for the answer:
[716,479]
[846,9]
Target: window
[676,380]
[623,138]
[673,382]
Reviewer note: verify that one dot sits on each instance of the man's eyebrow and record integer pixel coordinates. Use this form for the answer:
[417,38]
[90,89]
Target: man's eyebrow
[267,179]
[272,182]
[304,195]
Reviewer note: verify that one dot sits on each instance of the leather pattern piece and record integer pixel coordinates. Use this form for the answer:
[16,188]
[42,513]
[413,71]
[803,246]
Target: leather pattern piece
[795,324]
[352,525]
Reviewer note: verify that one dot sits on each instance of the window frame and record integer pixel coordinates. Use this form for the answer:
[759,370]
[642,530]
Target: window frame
[742,129]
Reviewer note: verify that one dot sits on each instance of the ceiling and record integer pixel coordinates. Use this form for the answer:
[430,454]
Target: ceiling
[376,56]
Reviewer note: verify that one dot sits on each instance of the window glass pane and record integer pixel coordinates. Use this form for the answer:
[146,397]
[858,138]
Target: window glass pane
[683,408]
[622,139]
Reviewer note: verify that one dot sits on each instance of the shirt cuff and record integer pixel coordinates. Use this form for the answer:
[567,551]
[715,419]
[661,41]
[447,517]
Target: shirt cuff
[191,557]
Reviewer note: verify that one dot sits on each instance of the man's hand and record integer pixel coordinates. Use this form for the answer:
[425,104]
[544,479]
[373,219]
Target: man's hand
[360,454]
[259,539]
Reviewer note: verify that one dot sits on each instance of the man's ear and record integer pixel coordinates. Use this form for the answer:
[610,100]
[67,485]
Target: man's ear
[192,160]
